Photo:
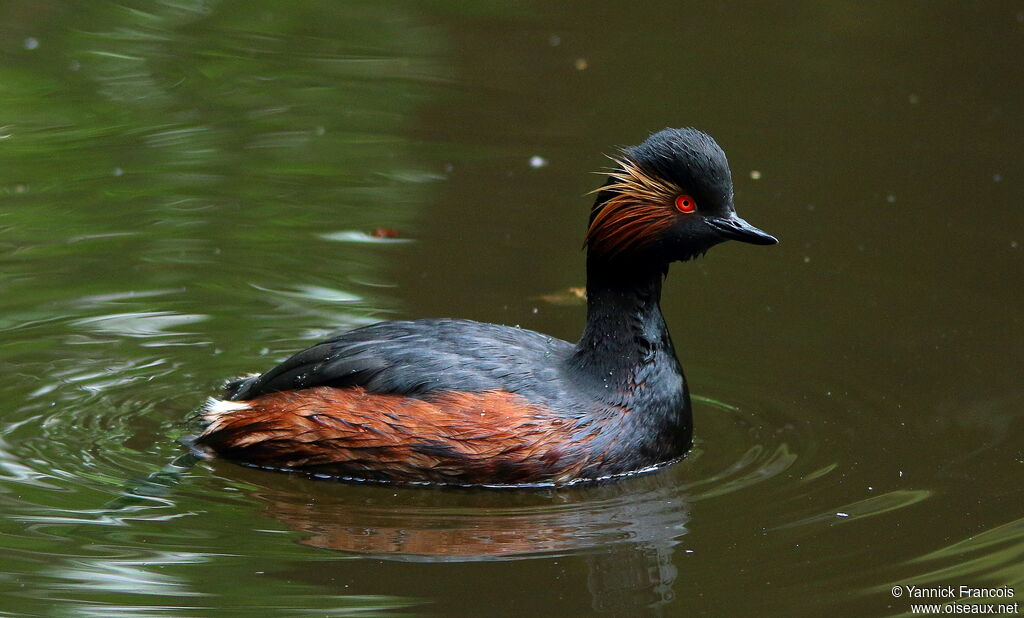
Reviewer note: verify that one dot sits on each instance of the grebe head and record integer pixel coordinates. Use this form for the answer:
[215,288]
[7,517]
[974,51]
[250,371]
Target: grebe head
[668,199]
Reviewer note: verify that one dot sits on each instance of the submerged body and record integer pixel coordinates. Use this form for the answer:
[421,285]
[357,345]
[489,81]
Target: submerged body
[461,402]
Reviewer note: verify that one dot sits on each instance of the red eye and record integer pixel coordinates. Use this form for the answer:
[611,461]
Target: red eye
[685,203]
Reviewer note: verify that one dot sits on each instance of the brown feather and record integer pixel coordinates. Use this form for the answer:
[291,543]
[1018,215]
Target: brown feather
[639,210]
[451,437]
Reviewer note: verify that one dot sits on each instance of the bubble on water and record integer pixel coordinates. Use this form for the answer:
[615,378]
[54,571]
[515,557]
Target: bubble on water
[755,175]
[118,171]
[554,40]
[537,161]
[31,43]
[581,64]
[890,198]
[997,178]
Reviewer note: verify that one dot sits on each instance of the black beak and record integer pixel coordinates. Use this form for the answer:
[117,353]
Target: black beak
[737,229]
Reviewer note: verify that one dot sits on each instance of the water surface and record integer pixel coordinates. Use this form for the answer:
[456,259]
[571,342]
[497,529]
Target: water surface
[190,192]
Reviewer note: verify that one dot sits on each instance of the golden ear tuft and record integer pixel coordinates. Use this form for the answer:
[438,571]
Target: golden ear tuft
[639,210]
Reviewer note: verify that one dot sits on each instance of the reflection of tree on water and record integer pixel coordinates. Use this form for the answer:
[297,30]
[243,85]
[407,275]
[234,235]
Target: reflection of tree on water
[624,531]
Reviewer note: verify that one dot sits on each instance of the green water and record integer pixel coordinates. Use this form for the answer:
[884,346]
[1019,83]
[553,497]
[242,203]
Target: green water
[189,190]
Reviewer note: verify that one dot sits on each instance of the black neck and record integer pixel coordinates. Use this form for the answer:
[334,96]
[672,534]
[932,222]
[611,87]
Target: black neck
[625,328]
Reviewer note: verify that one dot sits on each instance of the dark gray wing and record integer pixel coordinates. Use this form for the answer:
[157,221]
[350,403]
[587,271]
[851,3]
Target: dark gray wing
[417,357]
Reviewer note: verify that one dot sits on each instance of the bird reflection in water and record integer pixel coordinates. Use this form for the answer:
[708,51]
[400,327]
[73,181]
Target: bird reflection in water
[627,532]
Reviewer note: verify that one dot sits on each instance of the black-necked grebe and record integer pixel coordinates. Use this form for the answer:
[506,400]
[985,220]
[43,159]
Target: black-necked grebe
[461,402]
